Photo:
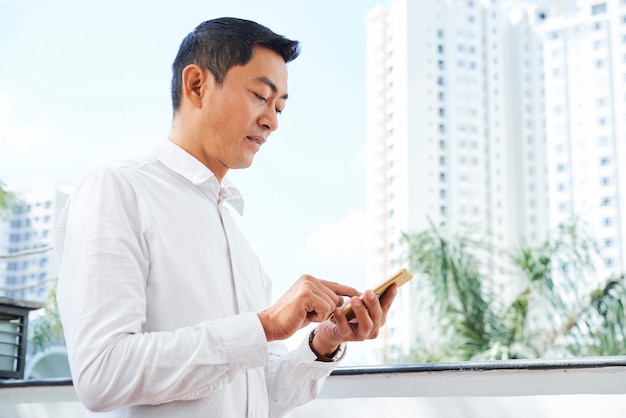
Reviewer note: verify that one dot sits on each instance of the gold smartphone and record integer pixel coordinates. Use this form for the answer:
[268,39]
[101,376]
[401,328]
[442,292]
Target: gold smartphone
[400,278]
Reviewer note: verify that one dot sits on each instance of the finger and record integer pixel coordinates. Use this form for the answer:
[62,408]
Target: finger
[388,297]
[322,305]
[320,308]
[316,288]
[341,289]
[373,307]
[364,321]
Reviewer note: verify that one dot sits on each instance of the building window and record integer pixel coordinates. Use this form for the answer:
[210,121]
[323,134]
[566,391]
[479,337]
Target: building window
[598,8]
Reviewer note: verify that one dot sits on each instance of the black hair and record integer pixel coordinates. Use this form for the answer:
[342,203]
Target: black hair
[219,44]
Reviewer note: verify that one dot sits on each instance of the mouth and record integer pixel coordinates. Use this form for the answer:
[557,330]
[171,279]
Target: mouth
[255,139]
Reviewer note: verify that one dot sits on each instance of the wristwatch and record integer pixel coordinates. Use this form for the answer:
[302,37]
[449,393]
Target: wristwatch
[335,356]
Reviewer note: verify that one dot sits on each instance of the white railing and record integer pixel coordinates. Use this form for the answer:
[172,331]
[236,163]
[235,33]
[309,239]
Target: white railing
[584,387]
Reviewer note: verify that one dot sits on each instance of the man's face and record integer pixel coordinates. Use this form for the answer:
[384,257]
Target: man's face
[239,115]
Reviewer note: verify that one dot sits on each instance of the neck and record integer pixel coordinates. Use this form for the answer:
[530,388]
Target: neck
[194,146]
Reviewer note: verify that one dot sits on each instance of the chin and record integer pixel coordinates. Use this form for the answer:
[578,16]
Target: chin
[243,164]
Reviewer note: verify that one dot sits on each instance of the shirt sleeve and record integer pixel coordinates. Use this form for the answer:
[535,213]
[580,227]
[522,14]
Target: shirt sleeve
[294,377]
[103,244]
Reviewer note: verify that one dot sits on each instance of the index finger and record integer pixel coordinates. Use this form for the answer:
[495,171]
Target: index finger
[341,289]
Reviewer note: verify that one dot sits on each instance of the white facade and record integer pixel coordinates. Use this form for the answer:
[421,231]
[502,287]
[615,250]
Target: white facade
[505,117]
[30,227]
[437,121]
[584,57]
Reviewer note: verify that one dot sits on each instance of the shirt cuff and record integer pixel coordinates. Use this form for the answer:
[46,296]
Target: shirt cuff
[244,341]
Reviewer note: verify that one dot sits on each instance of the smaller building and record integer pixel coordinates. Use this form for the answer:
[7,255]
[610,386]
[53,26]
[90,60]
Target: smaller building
[27,265]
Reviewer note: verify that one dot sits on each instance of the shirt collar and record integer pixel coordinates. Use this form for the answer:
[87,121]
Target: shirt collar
[185,164]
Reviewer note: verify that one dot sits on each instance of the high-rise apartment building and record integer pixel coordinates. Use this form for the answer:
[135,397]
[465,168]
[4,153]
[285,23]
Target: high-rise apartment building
[28,230]
[583,52]
[503,116]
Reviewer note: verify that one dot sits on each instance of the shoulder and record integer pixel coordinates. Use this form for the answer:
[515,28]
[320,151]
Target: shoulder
[117,174]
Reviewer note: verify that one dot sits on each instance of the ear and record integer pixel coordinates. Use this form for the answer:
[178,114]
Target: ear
[194,85]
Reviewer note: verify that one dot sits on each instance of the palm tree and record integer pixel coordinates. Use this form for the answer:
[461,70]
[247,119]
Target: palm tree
[547,310]
[46,330]
[459,297]
[8,201]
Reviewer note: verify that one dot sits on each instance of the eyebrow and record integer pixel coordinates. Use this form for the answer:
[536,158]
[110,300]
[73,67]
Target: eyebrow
[271,85]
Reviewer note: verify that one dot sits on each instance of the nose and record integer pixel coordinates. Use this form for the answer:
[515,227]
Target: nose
[269,119]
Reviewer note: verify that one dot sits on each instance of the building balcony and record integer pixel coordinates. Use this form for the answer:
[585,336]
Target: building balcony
[582,387]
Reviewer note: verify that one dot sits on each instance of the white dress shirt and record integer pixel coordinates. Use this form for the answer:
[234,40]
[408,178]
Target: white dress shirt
[158,293]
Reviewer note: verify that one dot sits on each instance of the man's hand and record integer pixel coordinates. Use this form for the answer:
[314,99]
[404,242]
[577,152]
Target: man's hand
[308,300]
[370,315]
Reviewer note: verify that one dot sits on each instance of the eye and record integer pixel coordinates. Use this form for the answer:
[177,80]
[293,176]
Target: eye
[279,111]
[260,98]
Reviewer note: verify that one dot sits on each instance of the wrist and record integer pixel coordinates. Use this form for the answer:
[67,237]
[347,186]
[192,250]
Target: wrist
[325,352]
[265,323]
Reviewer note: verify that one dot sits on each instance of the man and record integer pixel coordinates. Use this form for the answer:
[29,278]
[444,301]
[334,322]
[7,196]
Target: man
[165,307]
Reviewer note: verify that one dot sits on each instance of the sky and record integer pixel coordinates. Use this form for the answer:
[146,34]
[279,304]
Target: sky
[85,84]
